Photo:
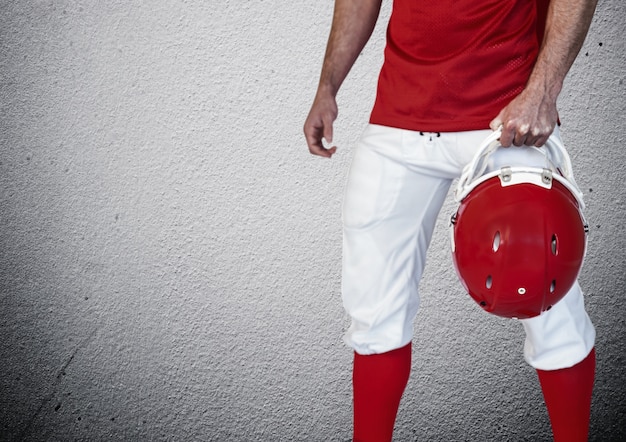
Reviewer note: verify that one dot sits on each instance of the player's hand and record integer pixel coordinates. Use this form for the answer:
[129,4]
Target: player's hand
[529,119]
[318,126]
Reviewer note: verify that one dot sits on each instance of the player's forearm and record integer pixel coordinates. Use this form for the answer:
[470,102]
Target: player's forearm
[566,28]
[353,23]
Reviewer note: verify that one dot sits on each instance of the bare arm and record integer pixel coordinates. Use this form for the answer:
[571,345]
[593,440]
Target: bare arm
[530,118]
[353,23]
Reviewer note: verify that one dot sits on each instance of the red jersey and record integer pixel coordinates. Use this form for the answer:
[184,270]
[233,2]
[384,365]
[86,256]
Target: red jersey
[452,65]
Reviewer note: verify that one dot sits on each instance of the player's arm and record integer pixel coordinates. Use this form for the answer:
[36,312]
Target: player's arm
[530,118]
[352,26]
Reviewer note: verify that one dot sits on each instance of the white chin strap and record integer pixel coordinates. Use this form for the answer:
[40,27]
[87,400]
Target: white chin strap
[515,165]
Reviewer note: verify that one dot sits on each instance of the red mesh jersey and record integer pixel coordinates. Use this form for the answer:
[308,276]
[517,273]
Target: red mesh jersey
[452,65]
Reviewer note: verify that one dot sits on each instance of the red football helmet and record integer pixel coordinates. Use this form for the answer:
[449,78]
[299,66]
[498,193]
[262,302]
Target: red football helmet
[518,235]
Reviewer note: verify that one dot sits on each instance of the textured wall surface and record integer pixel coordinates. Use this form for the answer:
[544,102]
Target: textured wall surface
[170,252]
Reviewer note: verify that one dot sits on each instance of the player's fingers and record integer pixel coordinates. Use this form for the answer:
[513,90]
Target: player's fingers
[540,134]
[316,146]
[331,151]
[520,133]
[328,130]
[496,123]
[313,130]
[507,137]
[322,151]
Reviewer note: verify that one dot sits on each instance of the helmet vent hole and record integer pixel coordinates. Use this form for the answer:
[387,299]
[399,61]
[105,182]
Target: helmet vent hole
[489,282]
[496,241]
[553,244]
[553,286]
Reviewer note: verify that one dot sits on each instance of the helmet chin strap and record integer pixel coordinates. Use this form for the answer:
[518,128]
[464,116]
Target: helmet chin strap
[557,165]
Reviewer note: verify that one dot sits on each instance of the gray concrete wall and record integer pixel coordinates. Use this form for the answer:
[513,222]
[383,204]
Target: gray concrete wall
[170,253]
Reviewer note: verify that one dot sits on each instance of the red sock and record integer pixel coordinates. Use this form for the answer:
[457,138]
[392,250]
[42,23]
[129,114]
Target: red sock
[567,393]
[378,381]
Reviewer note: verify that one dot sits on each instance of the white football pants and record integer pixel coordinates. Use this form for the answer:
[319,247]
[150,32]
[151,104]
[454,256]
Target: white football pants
[396,186]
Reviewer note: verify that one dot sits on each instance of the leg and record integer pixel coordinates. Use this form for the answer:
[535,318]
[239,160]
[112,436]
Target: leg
[567,393]
[560,345]
[379,381]
[397,184]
